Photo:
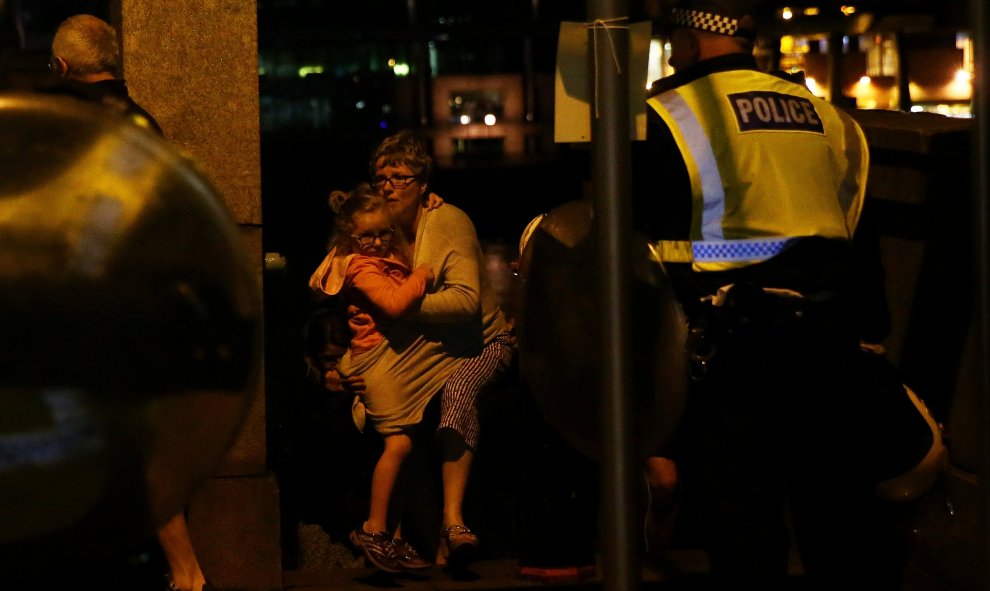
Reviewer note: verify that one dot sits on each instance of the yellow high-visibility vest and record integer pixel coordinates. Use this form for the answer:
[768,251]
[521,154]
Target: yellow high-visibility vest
[769,163]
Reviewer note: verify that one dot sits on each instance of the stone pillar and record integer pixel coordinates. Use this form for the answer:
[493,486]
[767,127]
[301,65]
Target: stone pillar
[194,65]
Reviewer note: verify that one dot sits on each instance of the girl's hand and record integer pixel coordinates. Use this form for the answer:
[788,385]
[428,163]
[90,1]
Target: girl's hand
[433,201]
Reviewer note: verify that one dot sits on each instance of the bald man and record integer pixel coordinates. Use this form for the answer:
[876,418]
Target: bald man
[86,54]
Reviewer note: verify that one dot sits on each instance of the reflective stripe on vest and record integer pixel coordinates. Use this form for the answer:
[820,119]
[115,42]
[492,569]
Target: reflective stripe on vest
[719,251]
[700,150]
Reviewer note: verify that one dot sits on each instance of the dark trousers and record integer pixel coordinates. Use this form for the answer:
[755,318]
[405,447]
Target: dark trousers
[777,448]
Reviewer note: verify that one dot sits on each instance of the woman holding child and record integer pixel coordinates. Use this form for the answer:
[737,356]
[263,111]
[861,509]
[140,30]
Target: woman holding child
[455,339]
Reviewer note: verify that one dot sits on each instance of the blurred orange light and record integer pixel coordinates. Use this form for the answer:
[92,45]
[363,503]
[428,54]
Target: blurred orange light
[963,76]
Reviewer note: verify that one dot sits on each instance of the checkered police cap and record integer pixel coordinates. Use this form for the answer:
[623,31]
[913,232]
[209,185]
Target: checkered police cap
[722,17]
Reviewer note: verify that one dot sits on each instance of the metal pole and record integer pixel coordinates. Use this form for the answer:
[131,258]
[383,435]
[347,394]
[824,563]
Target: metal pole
[611,180]
[981,192]
[903,73]
[834,68]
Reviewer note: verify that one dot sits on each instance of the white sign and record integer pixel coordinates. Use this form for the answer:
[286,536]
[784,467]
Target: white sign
[573,95]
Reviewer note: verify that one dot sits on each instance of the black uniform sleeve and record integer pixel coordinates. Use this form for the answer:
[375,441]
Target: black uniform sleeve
[868,278]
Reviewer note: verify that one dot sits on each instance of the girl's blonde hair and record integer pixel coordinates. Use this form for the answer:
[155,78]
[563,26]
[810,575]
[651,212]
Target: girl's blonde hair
[346,205]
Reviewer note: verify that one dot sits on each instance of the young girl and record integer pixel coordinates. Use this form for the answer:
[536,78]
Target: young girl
[377,287]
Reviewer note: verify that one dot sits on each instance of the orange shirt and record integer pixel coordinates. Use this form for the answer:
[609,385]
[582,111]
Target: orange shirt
[378,290]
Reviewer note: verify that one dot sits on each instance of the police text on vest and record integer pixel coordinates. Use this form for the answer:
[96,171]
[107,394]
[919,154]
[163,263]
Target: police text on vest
[763,110]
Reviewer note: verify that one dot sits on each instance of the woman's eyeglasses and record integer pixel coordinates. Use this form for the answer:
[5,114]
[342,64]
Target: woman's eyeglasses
[366,240]
[399,181]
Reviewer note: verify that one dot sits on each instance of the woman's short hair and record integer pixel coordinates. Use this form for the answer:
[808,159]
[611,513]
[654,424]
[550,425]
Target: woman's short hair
[404,148]
[88,45]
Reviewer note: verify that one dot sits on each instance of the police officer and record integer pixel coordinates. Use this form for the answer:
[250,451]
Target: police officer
[752,192]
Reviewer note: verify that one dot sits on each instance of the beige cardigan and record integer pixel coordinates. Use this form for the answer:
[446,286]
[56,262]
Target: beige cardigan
[458,316]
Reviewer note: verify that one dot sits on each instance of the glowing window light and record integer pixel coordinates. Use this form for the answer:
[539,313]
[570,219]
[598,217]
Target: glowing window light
[307,70]
[811,11]
[654,63]
[962,76]
[961,87]
[489,119]
[401,70]
[465,119]
[848,10]
[786,13]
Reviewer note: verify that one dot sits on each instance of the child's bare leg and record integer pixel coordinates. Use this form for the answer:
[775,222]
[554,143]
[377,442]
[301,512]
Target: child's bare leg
[397,448]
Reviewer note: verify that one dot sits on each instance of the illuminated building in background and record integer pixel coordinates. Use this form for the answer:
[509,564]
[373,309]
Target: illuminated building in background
[477,78]
[908,56]
[443,66]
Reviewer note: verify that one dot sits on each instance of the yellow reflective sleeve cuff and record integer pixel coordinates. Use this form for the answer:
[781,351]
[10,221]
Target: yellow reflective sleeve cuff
[672,251]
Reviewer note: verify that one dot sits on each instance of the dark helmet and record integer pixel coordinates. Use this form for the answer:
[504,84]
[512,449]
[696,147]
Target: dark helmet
[735,18]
